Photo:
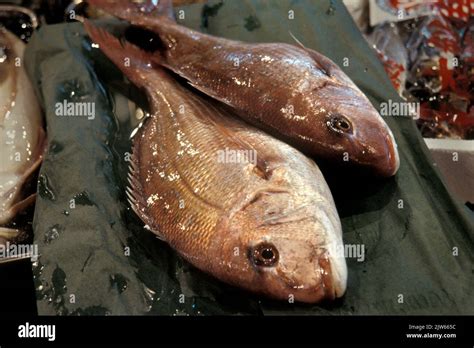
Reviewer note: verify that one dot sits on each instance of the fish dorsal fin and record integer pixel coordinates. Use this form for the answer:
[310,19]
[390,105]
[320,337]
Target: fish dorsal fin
[330,68]
[297,41]
[321,66]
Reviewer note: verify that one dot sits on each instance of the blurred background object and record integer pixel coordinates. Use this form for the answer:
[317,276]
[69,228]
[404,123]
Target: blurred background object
[427,50]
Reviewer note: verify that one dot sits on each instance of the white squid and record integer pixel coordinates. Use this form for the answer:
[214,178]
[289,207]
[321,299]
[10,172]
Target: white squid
[22,138]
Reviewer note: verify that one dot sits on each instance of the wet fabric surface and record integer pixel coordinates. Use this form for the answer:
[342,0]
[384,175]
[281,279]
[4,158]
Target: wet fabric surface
[97,259]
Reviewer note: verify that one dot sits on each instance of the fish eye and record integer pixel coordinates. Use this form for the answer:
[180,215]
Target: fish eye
[264,254]
[339,123]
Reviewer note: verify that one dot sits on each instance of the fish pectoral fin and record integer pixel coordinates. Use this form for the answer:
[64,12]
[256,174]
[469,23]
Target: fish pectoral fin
[17,208]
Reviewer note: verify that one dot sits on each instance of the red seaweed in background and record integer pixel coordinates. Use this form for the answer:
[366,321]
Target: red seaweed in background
[445,64]
[392,53]
[439,47]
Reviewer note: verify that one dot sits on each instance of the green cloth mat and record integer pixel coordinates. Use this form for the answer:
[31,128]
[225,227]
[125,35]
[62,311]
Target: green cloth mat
[85,267]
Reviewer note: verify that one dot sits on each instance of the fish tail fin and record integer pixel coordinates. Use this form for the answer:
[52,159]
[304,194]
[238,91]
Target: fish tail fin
[130,59]
[138,13]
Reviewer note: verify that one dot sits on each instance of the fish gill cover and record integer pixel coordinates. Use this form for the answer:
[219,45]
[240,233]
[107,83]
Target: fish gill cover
[97,259]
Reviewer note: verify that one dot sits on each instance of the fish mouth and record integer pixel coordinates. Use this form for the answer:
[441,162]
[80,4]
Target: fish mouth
[391,162]
[332,284]
[379,157]
[334,275]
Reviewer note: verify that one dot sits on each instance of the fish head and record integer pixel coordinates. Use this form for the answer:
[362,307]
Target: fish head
[286,252]
[352,130]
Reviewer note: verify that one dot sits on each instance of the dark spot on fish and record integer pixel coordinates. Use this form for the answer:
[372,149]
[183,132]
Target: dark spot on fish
[143,38]
[255,199]
[83,199]
[271,212]
[252,23]
[44,189]
[119,282]
[260,172]
[262,169]
[209,11]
